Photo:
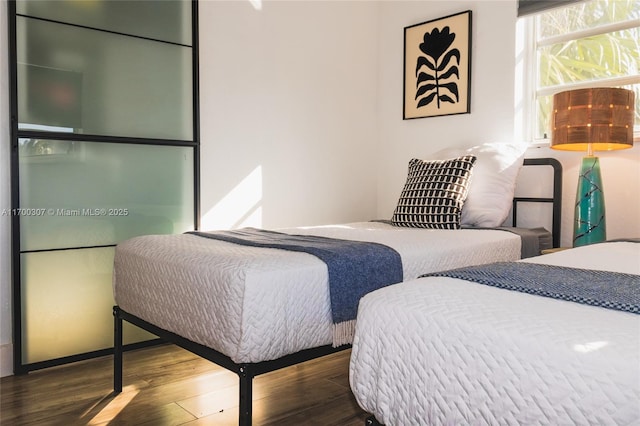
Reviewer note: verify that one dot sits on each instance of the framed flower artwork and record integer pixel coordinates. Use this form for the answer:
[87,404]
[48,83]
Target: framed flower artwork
[437,67]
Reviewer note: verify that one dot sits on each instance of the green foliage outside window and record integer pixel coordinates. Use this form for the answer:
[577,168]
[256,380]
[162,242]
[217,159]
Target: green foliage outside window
[577,57]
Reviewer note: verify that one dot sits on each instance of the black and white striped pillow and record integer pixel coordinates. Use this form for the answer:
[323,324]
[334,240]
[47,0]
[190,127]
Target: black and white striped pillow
[434,193]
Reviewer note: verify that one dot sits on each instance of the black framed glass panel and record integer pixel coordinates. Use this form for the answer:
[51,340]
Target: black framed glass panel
[104,113]
[83,194]
[80,80]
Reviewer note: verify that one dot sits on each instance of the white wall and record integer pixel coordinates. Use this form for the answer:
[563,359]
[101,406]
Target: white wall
[492,82]
[301,116]
[288,112]
[621,181]
[6,366]
[492,117]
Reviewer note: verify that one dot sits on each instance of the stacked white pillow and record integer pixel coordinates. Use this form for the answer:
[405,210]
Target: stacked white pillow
[493,181]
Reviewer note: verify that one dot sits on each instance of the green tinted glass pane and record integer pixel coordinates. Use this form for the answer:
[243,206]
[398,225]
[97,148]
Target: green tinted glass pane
[67,304]
[93,82]
[588,14]
[83,194]
[166,20]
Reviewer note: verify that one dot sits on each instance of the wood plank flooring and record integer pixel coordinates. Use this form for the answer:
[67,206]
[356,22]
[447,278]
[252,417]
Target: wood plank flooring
[166,385]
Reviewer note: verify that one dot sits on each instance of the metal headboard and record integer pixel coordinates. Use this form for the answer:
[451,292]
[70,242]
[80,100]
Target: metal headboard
[556,199]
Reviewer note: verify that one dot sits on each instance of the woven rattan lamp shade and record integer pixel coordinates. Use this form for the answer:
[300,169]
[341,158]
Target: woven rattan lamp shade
[600,117]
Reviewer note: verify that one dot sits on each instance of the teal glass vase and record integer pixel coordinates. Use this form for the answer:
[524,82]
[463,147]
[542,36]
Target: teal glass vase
[589,224]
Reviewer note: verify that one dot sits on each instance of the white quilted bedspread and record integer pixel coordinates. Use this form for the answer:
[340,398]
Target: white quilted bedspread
[256,304]
[441,351]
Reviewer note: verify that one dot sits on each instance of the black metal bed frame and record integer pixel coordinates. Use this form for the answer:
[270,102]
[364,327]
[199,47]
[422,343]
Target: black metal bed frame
[555,199]
[247,371]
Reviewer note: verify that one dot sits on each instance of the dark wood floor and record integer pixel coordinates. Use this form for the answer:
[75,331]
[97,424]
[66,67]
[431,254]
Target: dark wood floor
[166,385]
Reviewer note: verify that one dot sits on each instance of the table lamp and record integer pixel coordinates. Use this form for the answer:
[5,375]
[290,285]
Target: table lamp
[589,120]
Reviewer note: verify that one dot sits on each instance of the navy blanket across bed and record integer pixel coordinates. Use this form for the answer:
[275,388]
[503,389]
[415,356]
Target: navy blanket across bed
[611,290]
[355,267]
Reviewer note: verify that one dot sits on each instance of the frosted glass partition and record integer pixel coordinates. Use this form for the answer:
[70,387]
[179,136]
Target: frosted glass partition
[83,194]
[94,82]
[163,19]
[67,304]
[107,151]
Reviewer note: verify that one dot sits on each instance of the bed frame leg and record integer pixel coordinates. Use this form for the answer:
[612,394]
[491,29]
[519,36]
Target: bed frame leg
[117,350]
[246,395]
[372,421]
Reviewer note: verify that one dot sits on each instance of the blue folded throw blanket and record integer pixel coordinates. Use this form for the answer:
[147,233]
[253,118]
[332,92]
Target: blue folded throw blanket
[355,268]
[611,290]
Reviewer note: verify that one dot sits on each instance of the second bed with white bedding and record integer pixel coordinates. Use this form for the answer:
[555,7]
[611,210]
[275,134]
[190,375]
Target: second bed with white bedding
[256,304]
[439,350]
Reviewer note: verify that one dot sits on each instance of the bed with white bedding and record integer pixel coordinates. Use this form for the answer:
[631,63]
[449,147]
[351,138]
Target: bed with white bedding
[253,310]
[441,350]
[257,304]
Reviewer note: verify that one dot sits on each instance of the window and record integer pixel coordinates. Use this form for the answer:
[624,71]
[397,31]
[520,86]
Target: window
[587,44]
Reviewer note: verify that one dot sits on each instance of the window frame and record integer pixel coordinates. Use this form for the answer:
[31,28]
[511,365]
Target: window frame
[527,52]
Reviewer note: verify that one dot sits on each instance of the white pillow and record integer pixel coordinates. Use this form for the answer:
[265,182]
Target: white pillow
[493,181]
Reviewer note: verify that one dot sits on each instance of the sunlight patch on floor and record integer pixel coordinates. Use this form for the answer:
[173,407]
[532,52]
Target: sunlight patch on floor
[114,407]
